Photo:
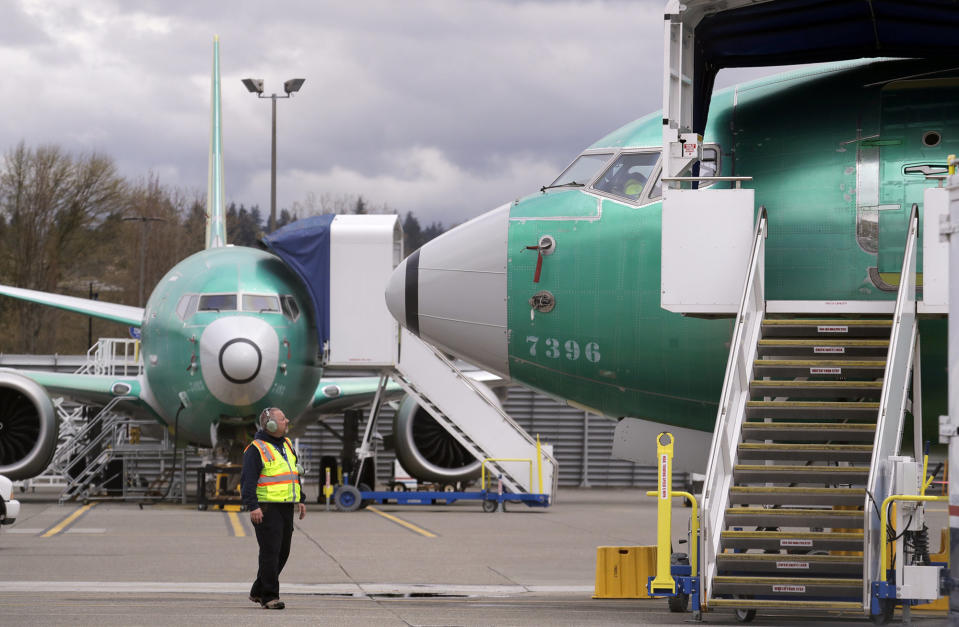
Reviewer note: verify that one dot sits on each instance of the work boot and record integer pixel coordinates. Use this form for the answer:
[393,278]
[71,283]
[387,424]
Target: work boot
[275,604]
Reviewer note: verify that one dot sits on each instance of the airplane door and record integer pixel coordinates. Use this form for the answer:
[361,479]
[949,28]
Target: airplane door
[919,128]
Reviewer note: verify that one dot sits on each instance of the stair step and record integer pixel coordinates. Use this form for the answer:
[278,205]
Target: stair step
[793,517]
[866,368]
[805,452]
[822,347]
[816,389]
[790,565]
[788,586]
[812,409]
[773,604]
[757,495]
[793,540]
[808,327]
[753,473]
[809,431]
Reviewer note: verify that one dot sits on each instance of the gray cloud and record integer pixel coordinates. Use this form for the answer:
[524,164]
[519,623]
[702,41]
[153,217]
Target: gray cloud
[443,108]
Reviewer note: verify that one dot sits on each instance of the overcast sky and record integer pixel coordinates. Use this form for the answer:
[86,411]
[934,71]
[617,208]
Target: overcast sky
[446,108]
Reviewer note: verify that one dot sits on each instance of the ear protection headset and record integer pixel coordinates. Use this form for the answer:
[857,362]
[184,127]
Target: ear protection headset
[270,424]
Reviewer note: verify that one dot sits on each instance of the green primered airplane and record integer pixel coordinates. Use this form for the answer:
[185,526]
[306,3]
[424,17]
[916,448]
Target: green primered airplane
[225,333]
[838,155]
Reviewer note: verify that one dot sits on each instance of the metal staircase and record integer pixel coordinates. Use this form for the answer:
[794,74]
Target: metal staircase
[478,423]
[811,409]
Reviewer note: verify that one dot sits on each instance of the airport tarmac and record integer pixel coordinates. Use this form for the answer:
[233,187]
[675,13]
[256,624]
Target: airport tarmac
[113,563]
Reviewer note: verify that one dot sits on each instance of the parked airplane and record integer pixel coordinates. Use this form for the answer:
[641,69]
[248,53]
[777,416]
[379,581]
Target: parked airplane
[560,290]
[227,332]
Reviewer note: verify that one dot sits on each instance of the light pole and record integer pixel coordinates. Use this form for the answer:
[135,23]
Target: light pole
[145,221]
[255,86]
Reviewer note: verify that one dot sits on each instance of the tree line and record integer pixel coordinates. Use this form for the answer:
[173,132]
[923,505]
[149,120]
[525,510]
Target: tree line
[71,224]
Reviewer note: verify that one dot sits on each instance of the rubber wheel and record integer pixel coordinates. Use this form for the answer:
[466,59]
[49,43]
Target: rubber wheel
[347,499]
[490,506]
[887,607]
[449,488]
[678,603]
[399,487]
[745,616]
[364,488]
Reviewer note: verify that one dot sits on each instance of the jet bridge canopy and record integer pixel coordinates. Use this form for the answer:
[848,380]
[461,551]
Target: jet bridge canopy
[705,36]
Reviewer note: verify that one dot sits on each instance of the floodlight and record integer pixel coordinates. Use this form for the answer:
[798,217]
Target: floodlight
[254,85]
[293,85]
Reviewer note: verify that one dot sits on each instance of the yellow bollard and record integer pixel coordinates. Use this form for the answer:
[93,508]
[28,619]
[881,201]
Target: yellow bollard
[664,582]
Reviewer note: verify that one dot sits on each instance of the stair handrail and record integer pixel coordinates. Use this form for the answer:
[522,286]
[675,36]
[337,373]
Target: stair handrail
[76,447]
[732,401]
[892,404]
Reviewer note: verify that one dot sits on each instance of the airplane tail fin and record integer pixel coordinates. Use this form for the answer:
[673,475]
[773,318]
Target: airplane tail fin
[215,202]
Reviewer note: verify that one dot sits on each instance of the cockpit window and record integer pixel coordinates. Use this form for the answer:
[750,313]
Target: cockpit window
[628,175]
[262,303]
[582,171]
[187,306]
[217,302]
[290,309]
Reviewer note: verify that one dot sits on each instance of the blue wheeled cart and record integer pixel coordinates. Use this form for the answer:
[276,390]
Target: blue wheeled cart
[349,498]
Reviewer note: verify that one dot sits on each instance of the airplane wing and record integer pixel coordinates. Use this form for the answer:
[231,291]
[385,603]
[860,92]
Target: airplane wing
[95,389]
[124,314]
[334,395]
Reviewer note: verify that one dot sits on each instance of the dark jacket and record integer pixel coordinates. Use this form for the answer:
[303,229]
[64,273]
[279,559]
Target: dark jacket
[253,466]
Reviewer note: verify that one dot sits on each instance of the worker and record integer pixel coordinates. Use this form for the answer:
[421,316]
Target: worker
[271,490]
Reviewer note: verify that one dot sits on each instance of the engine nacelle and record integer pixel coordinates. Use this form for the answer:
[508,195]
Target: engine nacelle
[28,427]
[427,451]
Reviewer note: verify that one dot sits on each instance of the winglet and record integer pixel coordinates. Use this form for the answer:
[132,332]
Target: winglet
[215,203]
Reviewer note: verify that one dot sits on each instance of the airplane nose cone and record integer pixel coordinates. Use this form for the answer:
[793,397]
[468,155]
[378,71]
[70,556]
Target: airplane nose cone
[452,291]
[240,360]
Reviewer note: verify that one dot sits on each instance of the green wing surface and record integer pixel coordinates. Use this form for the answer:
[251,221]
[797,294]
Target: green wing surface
[124,314]
[334,395]
[91,388]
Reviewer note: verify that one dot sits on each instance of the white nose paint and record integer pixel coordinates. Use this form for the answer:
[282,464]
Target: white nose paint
[238,359]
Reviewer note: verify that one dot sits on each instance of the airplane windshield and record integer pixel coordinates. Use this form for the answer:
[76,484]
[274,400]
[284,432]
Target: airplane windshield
[217,302]
[261,302]
[628,175]
[581,171]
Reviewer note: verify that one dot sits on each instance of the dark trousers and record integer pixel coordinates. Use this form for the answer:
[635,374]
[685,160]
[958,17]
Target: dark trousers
[273,535]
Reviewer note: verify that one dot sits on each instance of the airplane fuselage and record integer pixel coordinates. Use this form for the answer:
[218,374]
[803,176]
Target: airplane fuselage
[227,332]
[838,154]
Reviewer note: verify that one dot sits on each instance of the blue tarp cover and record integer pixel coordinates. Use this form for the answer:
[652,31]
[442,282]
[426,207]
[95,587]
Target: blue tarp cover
[304,246]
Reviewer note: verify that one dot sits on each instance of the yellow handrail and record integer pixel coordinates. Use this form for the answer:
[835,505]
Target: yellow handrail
[505,459]
[883,518]
[694,527]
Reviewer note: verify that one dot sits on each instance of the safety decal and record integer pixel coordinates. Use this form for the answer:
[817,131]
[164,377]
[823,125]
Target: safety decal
[825,371]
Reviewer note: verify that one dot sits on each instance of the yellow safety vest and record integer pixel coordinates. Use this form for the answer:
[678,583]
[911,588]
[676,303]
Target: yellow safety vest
[279,480]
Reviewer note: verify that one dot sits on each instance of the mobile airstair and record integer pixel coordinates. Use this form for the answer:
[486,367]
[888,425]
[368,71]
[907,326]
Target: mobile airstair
[475,421]
[809,426]
[100,446]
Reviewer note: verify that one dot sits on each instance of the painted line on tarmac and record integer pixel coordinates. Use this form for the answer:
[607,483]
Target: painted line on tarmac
[64,524]
[234,525]
[243,588]
[403,523]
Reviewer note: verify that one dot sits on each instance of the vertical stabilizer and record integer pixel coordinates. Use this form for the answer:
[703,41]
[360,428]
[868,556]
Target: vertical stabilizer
[215,209]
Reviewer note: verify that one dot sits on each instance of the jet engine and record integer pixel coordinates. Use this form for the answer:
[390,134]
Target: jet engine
[426,450]
[28,427]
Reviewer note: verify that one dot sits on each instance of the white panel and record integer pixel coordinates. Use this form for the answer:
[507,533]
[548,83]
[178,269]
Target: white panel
[362,331]
[707,236]
[935,254]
